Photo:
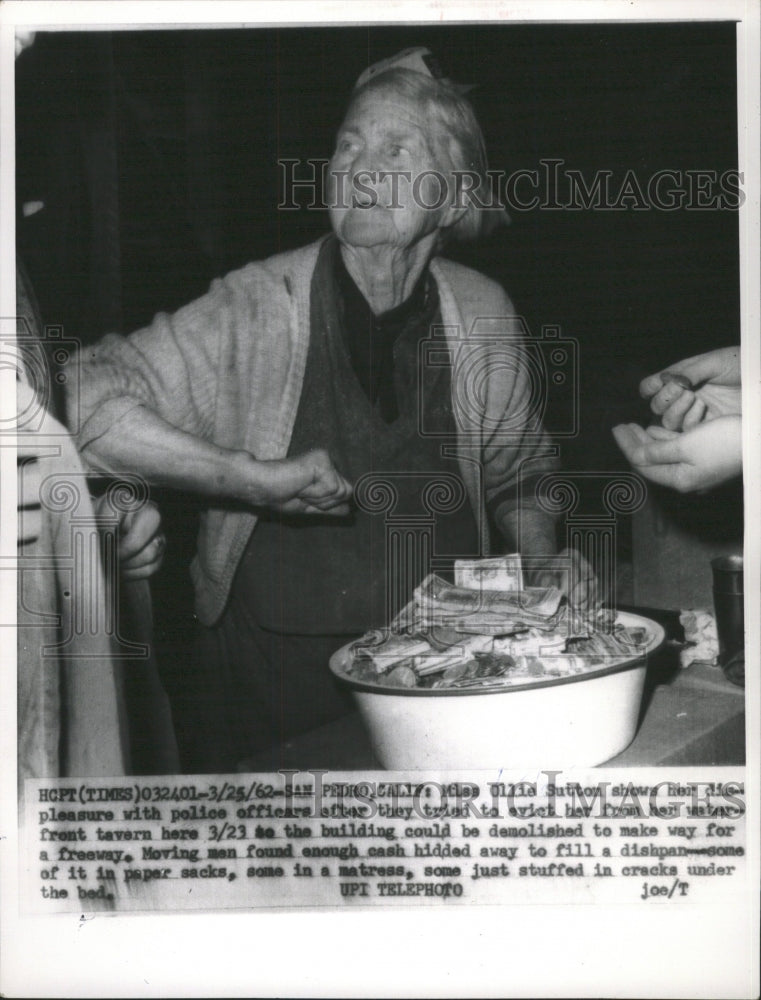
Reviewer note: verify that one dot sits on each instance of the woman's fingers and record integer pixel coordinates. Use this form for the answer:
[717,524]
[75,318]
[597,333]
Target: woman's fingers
[326,494]
[582,593]
[570,572]
[306,483]
[327,488]
[542,578]
[299,506]
[583,588]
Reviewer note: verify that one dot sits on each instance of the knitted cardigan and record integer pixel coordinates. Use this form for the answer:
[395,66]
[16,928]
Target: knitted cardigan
[229,368]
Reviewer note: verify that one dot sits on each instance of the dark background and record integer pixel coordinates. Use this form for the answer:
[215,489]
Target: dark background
[155,153]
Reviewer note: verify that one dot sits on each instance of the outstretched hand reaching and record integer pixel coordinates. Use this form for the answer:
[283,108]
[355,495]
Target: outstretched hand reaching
[699,458]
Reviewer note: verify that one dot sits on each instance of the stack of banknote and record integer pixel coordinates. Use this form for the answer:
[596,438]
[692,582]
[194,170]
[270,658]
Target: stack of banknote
[484,611]
[483,627]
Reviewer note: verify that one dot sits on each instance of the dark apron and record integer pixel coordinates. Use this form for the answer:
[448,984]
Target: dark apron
[307,585]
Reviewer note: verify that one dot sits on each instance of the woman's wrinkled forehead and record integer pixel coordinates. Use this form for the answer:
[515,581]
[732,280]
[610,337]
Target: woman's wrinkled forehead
[388,104]
[398,113]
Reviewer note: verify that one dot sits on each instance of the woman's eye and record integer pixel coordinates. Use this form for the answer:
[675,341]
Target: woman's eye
[345,145]
[395,151]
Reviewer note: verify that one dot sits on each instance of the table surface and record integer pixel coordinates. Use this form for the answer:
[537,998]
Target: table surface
[690,716]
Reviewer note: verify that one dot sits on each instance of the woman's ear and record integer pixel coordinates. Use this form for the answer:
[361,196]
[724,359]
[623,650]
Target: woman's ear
[452,214]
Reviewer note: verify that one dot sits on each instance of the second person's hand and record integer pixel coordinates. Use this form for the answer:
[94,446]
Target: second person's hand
[715,381]
[697,459]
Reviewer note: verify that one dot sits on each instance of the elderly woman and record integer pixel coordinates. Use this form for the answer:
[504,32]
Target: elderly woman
[294,377]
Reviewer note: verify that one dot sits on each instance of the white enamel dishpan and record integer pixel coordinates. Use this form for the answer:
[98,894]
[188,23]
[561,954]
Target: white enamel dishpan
[576,721]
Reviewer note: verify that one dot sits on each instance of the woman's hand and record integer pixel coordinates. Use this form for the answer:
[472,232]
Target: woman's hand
[570,572]
[715,378]
[305,484]
[696,459]
[534,536]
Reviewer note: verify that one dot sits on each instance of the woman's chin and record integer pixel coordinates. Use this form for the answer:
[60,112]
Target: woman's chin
[365,229]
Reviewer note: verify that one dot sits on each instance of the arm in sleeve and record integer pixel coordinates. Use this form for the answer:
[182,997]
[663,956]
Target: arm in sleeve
[145,404]
[516,449]
[148,407]
[169,367]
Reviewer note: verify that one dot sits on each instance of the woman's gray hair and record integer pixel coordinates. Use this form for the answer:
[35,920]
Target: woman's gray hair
[457,138]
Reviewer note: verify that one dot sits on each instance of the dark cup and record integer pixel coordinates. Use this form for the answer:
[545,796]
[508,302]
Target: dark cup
[730,617]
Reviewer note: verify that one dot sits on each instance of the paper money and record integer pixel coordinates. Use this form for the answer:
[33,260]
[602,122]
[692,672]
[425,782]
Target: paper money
[465,650]
[382,648]
[436,596]
[497,573]
[488,631]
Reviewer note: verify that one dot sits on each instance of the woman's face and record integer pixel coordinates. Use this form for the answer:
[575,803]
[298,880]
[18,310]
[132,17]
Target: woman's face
[385,186]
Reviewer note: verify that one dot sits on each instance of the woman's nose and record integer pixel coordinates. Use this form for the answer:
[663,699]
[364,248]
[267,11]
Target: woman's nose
[363,176]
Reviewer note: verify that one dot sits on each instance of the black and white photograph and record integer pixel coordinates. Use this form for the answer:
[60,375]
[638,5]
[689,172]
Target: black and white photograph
[382,393]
